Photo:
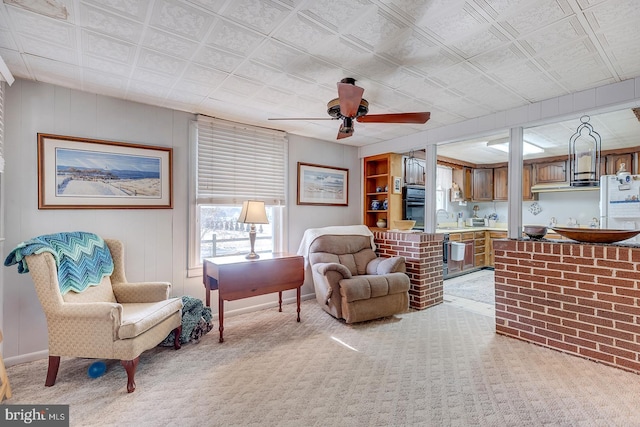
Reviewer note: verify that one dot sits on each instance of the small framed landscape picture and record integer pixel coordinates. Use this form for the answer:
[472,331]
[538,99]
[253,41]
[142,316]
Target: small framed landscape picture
[81,173]
[397,185]
[322,185]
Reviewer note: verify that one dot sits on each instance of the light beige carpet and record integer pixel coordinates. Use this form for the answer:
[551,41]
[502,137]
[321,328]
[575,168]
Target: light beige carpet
[443,366]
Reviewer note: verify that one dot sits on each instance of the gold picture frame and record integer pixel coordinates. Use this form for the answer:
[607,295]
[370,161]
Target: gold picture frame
[322,185]
[82,173]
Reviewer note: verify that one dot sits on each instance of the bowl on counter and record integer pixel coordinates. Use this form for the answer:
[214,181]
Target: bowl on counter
[404,224]
[595,235]
[535,231]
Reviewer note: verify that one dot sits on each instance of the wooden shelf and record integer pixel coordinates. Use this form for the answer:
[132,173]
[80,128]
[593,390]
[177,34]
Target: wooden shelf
[379,172]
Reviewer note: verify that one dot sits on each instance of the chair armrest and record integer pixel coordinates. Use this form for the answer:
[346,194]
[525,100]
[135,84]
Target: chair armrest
[325,267]
[381,266]
[90,310]
[87,322]
[141,292]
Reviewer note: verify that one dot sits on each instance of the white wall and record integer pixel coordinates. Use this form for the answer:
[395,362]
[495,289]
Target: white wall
[582,206]
[155,239]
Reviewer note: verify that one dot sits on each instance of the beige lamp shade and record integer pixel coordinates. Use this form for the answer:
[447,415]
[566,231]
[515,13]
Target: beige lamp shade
[253,212]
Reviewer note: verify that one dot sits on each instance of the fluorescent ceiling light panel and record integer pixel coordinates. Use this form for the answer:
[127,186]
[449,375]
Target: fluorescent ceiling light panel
[503,145]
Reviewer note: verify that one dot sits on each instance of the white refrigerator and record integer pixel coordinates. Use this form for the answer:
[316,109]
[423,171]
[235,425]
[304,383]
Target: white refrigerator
[620,203]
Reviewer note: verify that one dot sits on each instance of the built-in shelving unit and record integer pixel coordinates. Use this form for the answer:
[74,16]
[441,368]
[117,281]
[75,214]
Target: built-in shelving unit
[379,174]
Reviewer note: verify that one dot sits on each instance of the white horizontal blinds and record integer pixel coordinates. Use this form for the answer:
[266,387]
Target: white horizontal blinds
[1,126]
[237,162]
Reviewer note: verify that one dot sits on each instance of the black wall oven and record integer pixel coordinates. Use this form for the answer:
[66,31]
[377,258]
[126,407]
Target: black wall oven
[413,204]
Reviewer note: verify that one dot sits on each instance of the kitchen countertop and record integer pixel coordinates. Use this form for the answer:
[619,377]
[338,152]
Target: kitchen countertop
[465,229]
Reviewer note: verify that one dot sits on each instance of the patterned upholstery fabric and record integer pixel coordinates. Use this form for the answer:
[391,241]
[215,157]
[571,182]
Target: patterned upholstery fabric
[114,320]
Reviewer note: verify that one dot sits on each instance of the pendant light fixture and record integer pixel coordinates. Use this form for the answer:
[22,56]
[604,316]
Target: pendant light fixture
[584,155]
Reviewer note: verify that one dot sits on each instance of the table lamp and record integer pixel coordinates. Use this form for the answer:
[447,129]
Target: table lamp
[253,212]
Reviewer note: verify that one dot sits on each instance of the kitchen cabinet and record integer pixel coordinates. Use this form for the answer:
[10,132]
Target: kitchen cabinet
[527,182]
[500,183]
[550,172]
[379,173]
[501,179]
[482,185]
[464,179]
[613,162]
[493,235]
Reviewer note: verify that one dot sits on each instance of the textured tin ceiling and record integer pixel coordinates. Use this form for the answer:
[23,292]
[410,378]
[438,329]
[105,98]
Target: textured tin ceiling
[249,60]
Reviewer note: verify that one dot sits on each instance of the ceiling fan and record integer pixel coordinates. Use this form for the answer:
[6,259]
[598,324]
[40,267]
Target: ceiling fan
[350,105]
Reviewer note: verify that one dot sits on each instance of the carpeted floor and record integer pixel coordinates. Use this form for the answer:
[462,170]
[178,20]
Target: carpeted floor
[443,366]
[477,286]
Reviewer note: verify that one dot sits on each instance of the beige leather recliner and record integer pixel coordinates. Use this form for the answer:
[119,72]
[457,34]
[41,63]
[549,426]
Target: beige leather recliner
[352,283]
[113,320]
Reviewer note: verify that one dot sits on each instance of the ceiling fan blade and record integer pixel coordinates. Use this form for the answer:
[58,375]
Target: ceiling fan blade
[350,97]
[303,118]
[395,118]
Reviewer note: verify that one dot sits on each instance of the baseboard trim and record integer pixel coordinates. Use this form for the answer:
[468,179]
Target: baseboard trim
[290,300]
[25,358]
[38,355]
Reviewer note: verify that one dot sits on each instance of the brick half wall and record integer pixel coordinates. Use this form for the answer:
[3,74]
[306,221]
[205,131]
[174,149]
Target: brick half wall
[578,298]
[423,255]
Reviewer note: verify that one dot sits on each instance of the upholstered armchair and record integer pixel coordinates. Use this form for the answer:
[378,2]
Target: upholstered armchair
[113,320]
[354,284]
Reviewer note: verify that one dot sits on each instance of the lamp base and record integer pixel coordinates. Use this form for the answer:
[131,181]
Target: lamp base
[252,239]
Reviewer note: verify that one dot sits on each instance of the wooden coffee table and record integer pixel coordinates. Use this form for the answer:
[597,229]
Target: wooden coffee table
[237,277]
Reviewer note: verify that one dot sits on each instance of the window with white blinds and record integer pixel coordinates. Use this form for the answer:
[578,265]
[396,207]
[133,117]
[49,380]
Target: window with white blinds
[236,162]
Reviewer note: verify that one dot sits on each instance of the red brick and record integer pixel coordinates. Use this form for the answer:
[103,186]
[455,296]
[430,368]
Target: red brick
[603,305]
[617,299]
[562,267]
[579,293]
[617,282]
[562,313]
[562,330]
[582,343]
[627,309]
[547,303]
[578,308]
[617,352]
[596,355]
[628,364]
[595,338]
[578,325]
[615,316]
[615,333]
[562,346]
[632,327]
[533,338]
[548,333]
[628,345]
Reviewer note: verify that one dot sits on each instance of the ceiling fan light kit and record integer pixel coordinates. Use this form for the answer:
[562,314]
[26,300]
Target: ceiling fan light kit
[350,105]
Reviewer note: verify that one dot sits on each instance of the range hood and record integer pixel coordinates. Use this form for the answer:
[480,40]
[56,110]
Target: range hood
[558,187]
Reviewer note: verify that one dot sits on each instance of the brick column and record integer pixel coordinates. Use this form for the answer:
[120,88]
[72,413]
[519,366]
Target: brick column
[423,254]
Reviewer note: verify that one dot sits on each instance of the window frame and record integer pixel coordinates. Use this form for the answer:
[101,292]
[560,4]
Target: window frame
[280,211]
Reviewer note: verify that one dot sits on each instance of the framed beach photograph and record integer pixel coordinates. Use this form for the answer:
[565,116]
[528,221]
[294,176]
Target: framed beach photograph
[322,185]
[81,173]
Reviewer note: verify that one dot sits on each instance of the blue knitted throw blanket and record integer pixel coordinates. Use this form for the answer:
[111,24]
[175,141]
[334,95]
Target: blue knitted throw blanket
[82,258]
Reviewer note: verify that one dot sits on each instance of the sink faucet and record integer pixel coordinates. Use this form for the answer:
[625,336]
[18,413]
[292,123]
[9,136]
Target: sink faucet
[438,212]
